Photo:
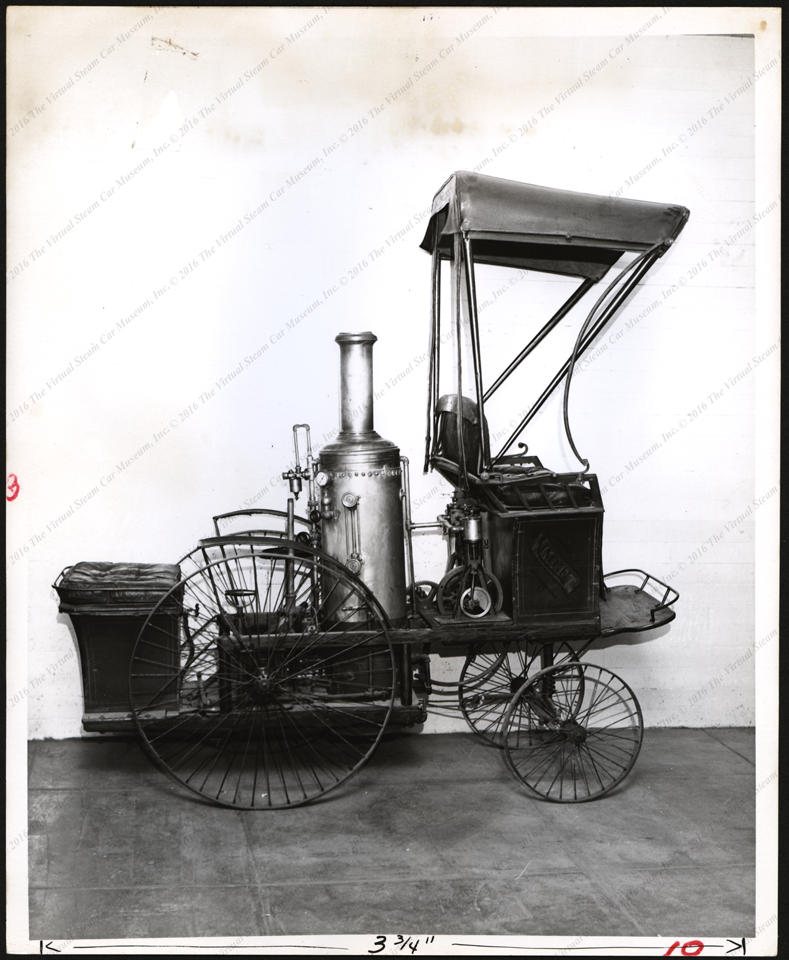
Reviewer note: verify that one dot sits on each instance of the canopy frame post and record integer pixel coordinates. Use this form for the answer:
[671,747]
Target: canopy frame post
[435,352]
[475,350]
[457,309]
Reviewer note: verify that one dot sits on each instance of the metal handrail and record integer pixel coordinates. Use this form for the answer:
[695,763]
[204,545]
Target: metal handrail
[664,603]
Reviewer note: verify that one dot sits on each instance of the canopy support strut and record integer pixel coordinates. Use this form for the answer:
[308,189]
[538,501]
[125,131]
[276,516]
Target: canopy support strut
[539,337]
[582,347]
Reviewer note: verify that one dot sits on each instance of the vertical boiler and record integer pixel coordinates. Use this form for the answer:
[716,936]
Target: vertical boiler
[360,481]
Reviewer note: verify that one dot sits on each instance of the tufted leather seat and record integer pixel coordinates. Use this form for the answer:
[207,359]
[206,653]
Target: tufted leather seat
[113,583]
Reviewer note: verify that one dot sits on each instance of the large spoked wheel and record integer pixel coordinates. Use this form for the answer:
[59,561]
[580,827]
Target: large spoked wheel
[488,681]
[572,732]
[265,679]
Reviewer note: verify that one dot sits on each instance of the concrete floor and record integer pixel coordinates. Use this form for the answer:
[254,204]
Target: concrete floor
[433,836]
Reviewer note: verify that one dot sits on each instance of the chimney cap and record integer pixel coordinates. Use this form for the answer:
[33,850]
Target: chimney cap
[366,337]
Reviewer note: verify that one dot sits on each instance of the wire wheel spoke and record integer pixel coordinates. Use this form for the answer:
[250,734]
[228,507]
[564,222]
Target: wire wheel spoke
[572,732]
[488,681]
[265,678]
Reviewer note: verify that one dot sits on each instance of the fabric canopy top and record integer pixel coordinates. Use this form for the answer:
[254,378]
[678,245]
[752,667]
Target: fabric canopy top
[541,228]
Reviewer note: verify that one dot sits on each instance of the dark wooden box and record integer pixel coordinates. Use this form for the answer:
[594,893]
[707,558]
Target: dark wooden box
[109,605]
[549,560]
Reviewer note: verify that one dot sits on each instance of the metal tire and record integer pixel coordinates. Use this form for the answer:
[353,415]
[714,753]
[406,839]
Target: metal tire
[572,732]
[264,679]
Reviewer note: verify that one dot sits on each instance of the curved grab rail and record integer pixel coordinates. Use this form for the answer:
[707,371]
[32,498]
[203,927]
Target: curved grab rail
[61,575]
[255,512]
[662,604]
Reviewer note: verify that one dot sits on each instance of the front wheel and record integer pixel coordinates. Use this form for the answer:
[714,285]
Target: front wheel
[488,681]
[572,732]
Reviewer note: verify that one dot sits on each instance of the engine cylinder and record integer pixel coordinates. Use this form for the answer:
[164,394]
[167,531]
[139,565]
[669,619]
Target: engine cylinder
[362,510]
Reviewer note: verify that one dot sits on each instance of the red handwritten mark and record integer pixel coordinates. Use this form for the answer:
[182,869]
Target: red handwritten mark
[692,948]
[12,484]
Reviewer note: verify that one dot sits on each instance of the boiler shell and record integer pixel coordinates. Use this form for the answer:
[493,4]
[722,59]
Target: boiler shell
[374,477]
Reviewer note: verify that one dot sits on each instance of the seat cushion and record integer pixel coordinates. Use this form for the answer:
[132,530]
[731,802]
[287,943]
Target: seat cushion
[117,583]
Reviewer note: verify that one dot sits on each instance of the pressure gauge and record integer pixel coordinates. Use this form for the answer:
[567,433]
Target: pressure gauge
[321,479]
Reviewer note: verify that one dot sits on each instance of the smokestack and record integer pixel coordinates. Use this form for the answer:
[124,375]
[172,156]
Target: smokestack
[356,385]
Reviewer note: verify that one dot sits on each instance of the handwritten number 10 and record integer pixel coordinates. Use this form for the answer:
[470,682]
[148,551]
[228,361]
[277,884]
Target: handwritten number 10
[692,948]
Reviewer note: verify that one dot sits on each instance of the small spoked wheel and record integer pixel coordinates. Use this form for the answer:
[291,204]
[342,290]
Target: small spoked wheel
[265,678]
[488,680]
[572,732]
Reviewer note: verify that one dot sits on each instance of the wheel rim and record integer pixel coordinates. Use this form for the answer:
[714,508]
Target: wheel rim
[572,732]
[488,681]
[265,679]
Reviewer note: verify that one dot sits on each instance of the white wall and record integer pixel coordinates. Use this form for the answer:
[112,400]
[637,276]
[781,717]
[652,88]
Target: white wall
[491,100]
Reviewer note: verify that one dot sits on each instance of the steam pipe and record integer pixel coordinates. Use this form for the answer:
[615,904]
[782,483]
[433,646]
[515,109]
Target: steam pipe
[405,492]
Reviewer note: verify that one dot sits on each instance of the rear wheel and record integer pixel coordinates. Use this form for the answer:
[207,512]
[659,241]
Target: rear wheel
[572,732]
[265,679]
